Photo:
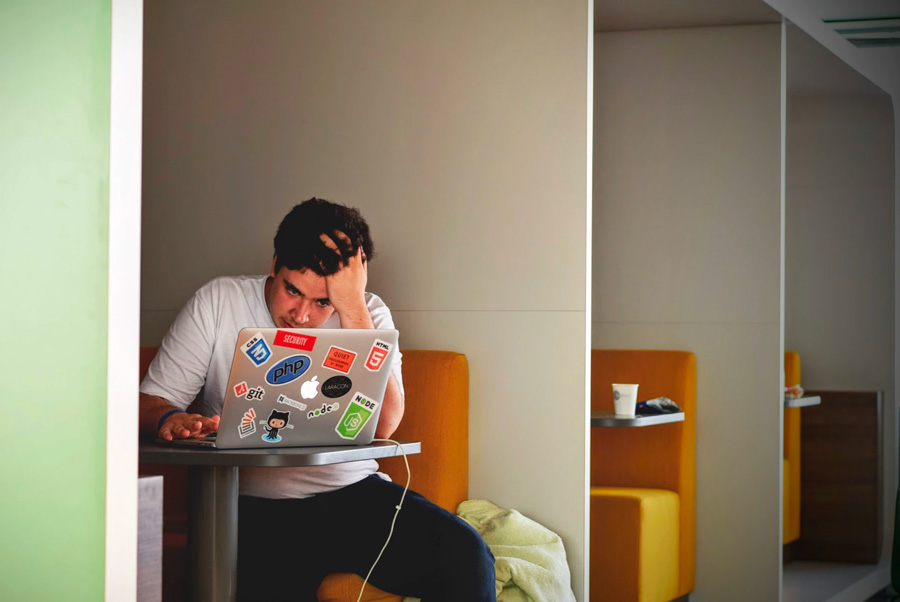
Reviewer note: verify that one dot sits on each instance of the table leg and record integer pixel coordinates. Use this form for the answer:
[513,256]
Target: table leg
[212,541]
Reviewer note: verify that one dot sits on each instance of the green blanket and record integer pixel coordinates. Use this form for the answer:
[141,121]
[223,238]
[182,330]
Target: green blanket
[530,560]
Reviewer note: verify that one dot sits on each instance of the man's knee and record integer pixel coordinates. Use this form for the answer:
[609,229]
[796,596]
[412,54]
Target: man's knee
[468,548]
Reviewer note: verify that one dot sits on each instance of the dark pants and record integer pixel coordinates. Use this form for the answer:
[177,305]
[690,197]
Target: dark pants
[286,547]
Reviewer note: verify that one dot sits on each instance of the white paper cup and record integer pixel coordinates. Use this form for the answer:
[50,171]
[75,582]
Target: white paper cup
[625,398]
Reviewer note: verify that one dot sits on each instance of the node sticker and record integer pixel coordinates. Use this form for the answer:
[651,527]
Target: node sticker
[256,349]
[377,355]
[303,342]
[248,425]
[288,370]
[336,386]
[290,402]
[356,416]
[339,359]
[274,423]
[327,408]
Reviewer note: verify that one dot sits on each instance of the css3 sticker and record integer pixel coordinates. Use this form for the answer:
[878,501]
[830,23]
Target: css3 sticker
[257,350]
[356,416]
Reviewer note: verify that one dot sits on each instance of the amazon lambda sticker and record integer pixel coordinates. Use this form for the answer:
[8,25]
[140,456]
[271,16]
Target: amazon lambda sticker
[379,352]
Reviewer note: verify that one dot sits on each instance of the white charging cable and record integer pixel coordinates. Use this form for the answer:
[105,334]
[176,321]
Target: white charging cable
[398,506]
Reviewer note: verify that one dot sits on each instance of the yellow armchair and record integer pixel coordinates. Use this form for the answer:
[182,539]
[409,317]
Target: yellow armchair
[643,482]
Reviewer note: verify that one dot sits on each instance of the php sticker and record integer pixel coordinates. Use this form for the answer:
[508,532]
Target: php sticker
[303,342]
[336,386]
[377,355]
[327,408]
[288,370]
[356,416]
[248,423]
[339,359]
[257,350]
[241,389]
[290,402]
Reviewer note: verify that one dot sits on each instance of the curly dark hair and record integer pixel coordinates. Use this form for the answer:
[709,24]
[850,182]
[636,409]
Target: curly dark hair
[297,242]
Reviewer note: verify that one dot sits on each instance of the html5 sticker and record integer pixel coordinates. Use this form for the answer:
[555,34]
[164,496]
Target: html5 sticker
[339,359]
[379,352]
[303,342]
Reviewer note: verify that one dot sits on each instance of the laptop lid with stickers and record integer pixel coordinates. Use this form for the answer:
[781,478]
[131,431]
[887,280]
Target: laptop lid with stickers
[302,387]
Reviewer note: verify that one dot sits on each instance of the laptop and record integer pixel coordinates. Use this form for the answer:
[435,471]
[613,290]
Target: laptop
[301,387]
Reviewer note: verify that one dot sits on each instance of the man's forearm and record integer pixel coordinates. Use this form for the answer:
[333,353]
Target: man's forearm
[392,408]
[150,409]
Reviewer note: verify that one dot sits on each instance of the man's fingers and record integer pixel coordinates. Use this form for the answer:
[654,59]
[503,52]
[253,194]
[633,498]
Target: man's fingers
[340,243]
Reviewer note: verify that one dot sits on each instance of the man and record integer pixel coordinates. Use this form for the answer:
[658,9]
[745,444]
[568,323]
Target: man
[297,525]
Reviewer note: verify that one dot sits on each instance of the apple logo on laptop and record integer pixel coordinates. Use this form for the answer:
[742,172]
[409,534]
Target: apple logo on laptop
[310,388]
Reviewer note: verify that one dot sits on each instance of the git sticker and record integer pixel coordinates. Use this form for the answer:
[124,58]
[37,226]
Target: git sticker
[356,416]
[339,359]
[257,350]
[241,389]
[377,355]
[248,424]
[303,342]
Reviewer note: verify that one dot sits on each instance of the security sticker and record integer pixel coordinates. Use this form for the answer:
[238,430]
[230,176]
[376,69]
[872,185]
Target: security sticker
[356,416]
[377,355]
[303,342]
[336,386]
[327,408]
[275,422]
[288,401]
[339,359]
[288,370]
[241,389]
[257,350]
[248,424]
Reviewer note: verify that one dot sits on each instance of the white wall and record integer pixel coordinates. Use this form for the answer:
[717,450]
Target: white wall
[687,235]
[459,130]
[839,254]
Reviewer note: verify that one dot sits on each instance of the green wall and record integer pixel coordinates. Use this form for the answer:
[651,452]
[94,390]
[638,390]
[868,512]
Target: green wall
[54,206]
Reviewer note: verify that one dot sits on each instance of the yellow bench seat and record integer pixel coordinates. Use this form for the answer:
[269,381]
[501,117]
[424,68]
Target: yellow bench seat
[634,544]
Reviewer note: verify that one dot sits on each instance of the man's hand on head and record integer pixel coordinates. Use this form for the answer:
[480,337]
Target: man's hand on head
[184,426]
[347,286]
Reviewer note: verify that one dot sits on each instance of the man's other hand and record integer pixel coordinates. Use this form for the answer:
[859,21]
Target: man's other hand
[347,286]
[183,426]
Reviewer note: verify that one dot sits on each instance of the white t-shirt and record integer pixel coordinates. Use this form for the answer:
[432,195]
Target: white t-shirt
[194,361]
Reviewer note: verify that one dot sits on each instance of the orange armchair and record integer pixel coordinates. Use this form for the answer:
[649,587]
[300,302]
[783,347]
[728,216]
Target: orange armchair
[643,482]
[431,379]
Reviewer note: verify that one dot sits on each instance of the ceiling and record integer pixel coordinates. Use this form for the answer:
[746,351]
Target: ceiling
[628,15]
[812,69]
[881,65]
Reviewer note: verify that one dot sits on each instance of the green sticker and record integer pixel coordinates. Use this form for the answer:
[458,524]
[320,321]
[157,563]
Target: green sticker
[355,416]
